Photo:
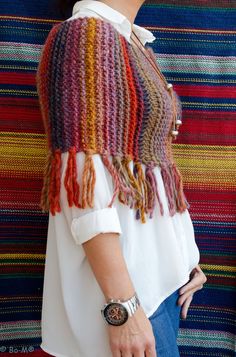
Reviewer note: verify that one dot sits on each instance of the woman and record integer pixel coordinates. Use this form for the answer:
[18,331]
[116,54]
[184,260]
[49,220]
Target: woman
[120,238]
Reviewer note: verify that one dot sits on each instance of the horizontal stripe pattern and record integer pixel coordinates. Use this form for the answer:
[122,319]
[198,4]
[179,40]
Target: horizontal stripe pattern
[195,47]
[196,51]
[23,230]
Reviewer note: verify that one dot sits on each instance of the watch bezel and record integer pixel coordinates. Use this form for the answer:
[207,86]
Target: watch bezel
[107,317]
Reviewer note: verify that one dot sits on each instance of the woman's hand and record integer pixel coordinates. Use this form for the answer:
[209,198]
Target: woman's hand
[134,338]
[197,279]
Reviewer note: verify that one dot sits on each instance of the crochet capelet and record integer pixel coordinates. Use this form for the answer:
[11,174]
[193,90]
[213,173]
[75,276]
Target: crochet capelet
[100,95]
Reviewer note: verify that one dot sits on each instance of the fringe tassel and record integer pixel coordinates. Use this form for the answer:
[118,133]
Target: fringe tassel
[153,191]
[44,201]
[168,184]
[126,194]
[88,181]
[55,183]
[139,195]
[174,188]
[136,189]
[114,175]
[70,181]
[126,185]
[181,201]
[139,175]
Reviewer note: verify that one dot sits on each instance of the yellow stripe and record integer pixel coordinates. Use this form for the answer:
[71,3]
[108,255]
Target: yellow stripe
[189,30]
[200,80]
[19,67]
[22,256]
[22,152]
[15,134]
[192,40]
[90,87]
[205,147]
[27,19]
[222,275]
[24,28]
[19,92]
[198,104]
[25,263]
[208,165]
[218,267]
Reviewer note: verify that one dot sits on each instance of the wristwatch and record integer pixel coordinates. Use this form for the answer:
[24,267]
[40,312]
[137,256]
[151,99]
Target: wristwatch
[117,312]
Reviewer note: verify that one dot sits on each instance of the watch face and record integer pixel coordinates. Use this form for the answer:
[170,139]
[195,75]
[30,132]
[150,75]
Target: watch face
[115,314]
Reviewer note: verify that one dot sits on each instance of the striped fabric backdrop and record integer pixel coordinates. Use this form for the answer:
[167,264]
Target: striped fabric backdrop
[196,50]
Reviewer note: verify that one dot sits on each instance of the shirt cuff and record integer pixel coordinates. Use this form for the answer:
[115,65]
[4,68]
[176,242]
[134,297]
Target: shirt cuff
[105,220]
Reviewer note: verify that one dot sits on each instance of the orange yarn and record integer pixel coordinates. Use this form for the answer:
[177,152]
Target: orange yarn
[180,199]
[70,181]
[55,183]
[88,182]
[44,201]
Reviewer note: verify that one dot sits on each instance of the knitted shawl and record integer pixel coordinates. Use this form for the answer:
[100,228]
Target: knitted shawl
[99,94]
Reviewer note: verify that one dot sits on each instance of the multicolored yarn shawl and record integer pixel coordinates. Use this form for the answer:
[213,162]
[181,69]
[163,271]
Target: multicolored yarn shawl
[100,94]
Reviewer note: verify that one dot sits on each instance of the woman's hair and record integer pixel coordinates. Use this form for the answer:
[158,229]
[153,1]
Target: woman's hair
[66,5]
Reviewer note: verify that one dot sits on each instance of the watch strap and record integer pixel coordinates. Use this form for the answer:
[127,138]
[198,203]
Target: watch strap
[131,304]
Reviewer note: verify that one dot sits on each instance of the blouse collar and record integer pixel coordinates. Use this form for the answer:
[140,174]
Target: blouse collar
[115,17]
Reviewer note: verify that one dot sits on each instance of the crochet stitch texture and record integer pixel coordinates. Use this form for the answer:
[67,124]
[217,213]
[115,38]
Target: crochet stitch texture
[99,94]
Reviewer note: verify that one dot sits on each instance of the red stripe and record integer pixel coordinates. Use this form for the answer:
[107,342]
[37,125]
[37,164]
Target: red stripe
[133,102]
[216,280]
[21,115]
[199,114]
[21,268]
[205,91]
[216,260]
[22,102]
[21,248]
[205,126]
[23,183]
[215,195]
[17,78]
[198,139]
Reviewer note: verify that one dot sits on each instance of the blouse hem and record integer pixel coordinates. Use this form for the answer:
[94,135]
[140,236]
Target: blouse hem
[172,290]
[149,314]
[45,349]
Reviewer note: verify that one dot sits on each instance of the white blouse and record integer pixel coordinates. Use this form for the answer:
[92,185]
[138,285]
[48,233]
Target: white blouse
[159,254]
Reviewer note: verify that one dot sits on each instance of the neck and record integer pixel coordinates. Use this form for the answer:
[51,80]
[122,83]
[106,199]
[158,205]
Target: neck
[129,8]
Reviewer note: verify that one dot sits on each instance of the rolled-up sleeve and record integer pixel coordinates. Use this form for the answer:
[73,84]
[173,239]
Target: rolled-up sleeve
[105,220]
[86,223]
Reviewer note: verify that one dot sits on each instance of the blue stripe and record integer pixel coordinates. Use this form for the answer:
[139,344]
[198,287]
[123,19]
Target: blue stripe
[180,17]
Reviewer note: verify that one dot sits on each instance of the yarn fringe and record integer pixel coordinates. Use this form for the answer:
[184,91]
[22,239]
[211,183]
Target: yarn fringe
[173,183]
[50,196]
[136,188]
[70,180]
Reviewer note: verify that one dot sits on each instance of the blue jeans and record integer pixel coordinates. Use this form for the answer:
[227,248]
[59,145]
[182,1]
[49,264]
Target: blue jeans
[165,325]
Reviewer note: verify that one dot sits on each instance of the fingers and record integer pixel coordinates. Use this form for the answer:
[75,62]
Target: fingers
[197,279]
[116,353]
[186,295]
[150,352]
[127,354]
[196,283]
[185,307]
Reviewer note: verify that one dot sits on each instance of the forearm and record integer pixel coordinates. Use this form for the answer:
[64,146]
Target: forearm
[107,262]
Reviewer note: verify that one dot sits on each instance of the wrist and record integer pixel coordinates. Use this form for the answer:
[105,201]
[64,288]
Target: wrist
[117,311]
[121,296]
